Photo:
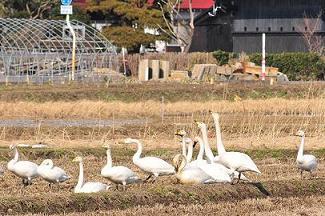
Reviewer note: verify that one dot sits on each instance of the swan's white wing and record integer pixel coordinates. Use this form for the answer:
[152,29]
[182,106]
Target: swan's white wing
[60,174]
[25,169]
[194,175]
[197,163]
[119,174]
[308,162]
[56,174]
[217,171]
[238,161]
[92,187]
[155,165]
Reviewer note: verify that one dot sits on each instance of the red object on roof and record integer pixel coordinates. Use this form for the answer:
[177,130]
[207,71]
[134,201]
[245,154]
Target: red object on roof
[196,4]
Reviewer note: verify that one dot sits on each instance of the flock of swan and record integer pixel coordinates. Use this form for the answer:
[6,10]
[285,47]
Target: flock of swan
[225,167]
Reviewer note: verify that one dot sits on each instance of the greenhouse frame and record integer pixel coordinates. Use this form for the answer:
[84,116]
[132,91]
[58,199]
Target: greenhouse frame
[41,51]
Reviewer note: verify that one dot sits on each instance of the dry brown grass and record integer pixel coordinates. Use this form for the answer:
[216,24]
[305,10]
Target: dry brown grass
[245,124]
[99,109]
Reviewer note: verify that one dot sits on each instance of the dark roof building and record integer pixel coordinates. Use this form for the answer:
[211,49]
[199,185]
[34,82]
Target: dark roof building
[239,24]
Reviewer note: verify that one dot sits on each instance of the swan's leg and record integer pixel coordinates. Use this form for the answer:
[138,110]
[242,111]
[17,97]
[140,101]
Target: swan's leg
[116,187]
[155,175]
[311,174]
[147,179]
[29,181]
[124,183]
[239,175]
[301,174]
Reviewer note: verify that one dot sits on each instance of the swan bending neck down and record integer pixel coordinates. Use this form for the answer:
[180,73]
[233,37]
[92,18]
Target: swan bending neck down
[152,165]
[26,170]
[87,187]
[305,162]
[51,173]
[192,175]
[118,174]
[235,161]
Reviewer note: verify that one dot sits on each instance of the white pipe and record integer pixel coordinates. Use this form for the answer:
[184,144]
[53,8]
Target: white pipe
[73,65]
[263,57]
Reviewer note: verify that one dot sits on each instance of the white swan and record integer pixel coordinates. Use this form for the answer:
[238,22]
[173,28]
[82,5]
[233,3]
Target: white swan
[87,187]
[235,161]
[152,165]
[51,173]
[305,162]
[24,169]
[211,159]
[193,175]
[118,174]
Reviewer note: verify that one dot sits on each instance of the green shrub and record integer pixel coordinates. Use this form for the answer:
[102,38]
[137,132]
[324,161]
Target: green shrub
[223,57]
[297,66]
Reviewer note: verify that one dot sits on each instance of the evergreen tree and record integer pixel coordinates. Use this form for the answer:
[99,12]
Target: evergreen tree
[131,18]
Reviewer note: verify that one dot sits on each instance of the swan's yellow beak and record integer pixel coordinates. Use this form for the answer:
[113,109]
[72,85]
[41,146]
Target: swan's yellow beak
[77,159]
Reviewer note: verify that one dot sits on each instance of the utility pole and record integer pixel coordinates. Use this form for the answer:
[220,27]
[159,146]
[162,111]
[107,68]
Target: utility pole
[66,9]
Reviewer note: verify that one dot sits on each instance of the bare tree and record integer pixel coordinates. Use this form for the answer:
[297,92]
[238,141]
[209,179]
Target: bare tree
[42,6]
[314,41]
[179,28]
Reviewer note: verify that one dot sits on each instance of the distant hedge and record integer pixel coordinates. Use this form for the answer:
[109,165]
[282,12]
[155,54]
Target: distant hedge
[297,66]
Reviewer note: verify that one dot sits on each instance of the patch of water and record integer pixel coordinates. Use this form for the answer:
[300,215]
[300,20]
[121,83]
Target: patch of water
[29,123]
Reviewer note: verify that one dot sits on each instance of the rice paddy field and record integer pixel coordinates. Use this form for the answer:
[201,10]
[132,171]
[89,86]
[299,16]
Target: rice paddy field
[75,120]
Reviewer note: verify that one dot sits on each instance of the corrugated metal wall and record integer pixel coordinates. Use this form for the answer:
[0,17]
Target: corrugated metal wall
[281,20]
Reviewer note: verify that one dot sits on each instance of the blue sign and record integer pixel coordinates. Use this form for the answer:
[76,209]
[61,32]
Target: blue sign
[66,2]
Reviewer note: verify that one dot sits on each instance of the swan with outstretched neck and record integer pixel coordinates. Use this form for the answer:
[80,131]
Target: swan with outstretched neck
[120,175]
[184,141]
[26,170]
[152,165]
[305,162]
[235,161]
[191,175]
[51,173]
[87,187]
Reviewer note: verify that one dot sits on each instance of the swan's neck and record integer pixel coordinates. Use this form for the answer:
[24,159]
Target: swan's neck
[301,148]
[109,158]
[220,146]
[81,175]
[137,155]
[183,146]
[207,148]
[189,152]
[201,151]
[16,157]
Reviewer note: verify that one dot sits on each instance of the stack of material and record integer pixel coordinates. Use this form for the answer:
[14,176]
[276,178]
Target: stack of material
[237,71]
[178,75]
